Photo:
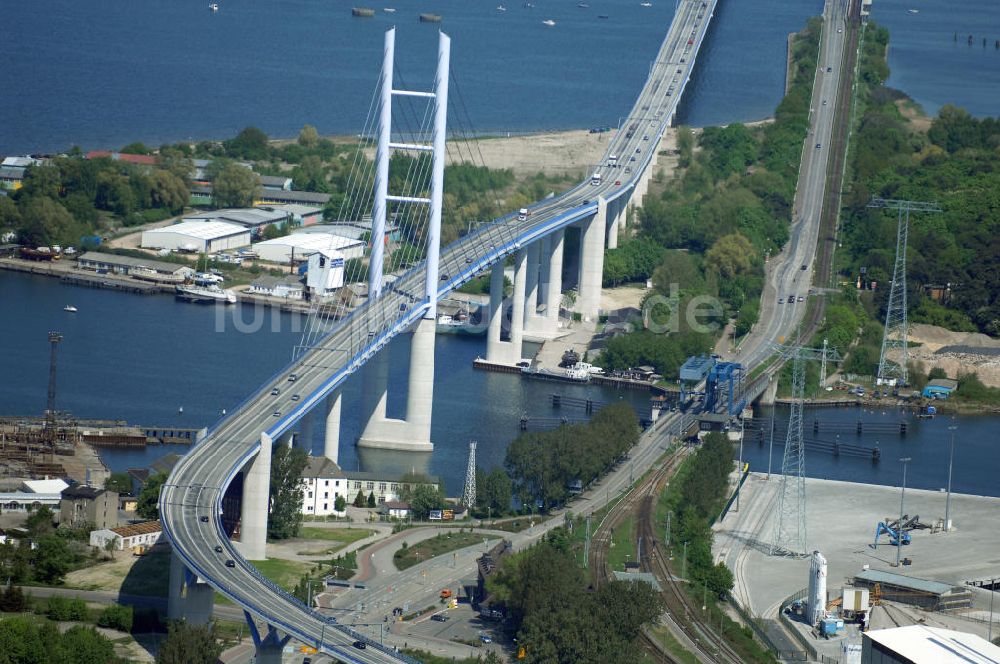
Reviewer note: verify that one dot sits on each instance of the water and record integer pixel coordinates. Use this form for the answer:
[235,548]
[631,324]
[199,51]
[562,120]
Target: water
[930,66]
[141,358]
[167,70]
[927,443]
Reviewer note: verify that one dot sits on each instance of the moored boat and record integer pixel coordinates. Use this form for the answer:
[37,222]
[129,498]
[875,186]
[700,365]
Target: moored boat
[70,308]
[194,293]
[363,12]
[430,18]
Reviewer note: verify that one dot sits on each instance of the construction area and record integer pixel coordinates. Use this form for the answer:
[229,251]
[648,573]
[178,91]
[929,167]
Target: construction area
[848,577]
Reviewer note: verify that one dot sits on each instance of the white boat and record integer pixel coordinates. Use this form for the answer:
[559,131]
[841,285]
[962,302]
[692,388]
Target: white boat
[389,10]
[214,6]
[213,293]
[501,8]
[70,308]
[549,22]
[913,11]
[645,4]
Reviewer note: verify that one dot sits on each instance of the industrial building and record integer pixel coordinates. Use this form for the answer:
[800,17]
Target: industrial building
[25,501]
[301,215]
[939,388]
[197,236]
[325,274]
[280,196]
[254,219]
[45,486]
[930,595]
[918,644]
[95,260]
[143,535]
[298,246]
[275,183]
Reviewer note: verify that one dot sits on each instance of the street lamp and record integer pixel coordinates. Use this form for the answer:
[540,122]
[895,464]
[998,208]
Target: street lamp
[947,500]
[902,496]
[739,472]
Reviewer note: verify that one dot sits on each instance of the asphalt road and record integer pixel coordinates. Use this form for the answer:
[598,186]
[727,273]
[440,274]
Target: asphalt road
[197,483]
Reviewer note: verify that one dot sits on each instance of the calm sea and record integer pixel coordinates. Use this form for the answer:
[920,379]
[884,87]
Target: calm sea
[108,72]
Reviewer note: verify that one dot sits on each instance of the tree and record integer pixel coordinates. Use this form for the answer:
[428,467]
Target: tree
[730,256]
[120,483]
[117,617]
[493,492]
[10,217]
[271,231]
[84,645]
[251,143]
[44,222]
[287,464]
[234,186]
[147,505]
[308,136]
[422,499]
[51,559]
[169,191]
[189,644]
[40,522]
[339,504]
[685,145]
[12,600]
[371,500]
[359,500]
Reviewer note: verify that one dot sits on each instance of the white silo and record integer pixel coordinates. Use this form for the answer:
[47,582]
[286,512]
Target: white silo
[816,604]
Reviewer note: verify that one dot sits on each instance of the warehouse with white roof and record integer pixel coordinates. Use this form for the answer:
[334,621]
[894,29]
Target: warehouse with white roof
[300,245]
[197,236]
[919,644]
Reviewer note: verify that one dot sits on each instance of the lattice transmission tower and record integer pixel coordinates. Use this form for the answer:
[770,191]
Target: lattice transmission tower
[469,495]
[789,537]
[891,372]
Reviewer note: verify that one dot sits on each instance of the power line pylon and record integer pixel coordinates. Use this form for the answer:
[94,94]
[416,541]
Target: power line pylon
[789,538]
[50,404]
[469,495]
[894,338]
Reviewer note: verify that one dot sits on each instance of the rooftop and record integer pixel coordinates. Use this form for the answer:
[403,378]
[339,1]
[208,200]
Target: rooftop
[44,486]
[933,645]
[202,230]
[267,281]
[305,243]
[293,197]
[242,216]
[144,528]
[320,466]
[14,172]
[944,383]
[295,209]
[144,159]
[902,581]
[274,180]
[20,162]
[85,492]
[114,259]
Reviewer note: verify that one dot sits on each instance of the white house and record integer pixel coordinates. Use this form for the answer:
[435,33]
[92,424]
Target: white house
[397,509]
[326,273]
[197,236]
[322,482]
[289,286]
[144,534]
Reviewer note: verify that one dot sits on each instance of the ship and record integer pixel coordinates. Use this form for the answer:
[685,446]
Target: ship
[362,11]
[549,22]
[213,293]
[430,18]
[40,254]
[146,274]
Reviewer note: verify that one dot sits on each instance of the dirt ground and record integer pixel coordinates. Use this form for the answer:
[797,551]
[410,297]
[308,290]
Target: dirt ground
[932,338]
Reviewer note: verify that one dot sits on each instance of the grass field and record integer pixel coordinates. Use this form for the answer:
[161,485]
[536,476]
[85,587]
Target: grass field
[286,573]
[340,537]
[435,546]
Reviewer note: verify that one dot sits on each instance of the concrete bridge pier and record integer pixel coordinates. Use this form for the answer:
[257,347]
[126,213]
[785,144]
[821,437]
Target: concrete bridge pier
[553,285]
[270,645]
[507,352]
[188,597]
[533,253]
[414,432]
[331,437]
[256,498]
[592,235]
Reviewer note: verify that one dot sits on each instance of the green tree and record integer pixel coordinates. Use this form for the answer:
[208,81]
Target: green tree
[136,148]
[730,256]
[189,644]
[51,559]
[685,145]
[359,500]
[287,464]
[234,186]
[493,492]
[63,608]
[44,222]
[308,136]
[251,143]
[422,499]
[120,483]
[40,522]
[370,502]
[116,616]
[85,645]
[148,502]
[10,217]
[169,191]
[339,504]
[12,600]
[272,231]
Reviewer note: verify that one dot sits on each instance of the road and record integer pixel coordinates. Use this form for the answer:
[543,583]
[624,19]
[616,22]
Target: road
[785,276]
[190,503]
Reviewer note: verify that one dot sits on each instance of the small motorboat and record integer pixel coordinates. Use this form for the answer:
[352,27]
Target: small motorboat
[602,16]
[70,308]
[913,11]
[645,4]
[549,22]
[214,7]
[501,8]
[389,10]
[582,5]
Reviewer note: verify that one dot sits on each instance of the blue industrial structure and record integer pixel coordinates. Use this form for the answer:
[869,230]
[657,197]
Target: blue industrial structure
[724,389]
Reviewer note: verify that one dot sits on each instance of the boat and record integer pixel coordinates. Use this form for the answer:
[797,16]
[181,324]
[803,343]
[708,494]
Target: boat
[214,6]
[501,8]
[457,324]
[195,293]
[913,11]
[146,274]
[569,358]
[549,22]
[70,308]
[364,12]
[430,18]
[927,413]
[582,5]
[389,10]
[602,16]
[645,4]
[529,5]
[567,376]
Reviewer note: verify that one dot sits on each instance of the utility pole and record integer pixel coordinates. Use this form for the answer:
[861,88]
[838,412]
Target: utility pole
[822,368]
[666,541]
[586,544]
[894,338]
[739,472]
[684,563]
[947,500]
[770,449]
[899,526]
[469,495]
[50,404]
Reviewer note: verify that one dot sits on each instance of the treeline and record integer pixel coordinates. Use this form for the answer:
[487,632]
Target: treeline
[47,554]
[708,234]
[541,465]
[954,164]
[556,617]
[695,497]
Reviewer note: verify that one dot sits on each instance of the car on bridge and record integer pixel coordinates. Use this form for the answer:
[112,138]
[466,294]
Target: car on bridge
[360,645]
[275,392]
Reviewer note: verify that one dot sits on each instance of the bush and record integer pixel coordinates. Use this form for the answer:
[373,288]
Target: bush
[117,617]
[62,608]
